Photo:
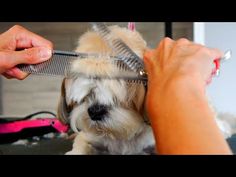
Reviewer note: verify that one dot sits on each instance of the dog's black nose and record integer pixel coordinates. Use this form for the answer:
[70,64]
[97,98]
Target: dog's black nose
[97,112]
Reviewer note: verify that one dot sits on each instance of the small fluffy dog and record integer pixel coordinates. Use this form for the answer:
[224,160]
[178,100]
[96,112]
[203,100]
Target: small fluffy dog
[108,114]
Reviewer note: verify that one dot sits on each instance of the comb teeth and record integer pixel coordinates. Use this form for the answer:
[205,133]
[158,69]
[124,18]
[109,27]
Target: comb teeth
[57,65]
[128,79]
[133,61]
[60,64]
[137,81]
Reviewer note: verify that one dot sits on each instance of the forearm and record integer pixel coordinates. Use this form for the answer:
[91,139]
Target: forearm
[183,122]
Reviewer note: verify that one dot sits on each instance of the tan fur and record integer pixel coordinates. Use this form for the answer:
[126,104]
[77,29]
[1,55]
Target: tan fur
[125,125]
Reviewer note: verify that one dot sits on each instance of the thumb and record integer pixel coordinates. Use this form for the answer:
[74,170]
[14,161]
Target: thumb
[30,56]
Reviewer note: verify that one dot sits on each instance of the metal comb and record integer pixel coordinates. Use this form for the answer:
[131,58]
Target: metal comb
[60,64]
[133,61]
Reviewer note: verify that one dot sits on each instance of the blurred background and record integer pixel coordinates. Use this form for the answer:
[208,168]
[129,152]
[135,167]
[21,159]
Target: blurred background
[221,35]
[37,93]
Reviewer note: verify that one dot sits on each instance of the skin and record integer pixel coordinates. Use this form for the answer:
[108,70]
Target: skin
[182,121]
[20,46]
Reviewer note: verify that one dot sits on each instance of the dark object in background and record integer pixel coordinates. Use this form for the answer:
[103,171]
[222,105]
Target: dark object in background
[58,146]
[232,143]
[168,29]
[25,134]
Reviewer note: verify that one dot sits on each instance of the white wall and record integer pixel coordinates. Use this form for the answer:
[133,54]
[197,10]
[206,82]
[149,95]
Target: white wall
[222,91]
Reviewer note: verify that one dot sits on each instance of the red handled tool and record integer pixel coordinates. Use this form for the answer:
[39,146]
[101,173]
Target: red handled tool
[217,62]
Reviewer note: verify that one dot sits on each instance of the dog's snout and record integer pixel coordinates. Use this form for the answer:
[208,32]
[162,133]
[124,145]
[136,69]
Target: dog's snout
[97,112]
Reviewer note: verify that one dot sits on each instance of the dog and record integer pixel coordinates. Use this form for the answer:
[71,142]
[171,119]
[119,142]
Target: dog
[108,115]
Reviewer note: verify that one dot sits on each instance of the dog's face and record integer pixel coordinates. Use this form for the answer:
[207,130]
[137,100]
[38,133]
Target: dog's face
[104,107]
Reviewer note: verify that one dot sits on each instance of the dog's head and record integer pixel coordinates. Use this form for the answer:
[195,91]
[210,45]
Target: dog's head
[104,107]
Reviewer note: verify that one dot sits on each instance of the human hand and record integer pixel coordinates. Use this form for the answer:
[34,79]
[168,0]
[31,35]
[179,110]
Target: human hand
[177,67]
[12,43]
[176,103]
[180,59]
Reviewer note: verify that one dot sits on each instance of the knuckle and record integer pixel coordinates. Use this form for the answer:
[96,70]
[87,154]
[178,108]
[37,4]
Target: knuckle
[16,28]
[167,40]
[30,55]
[182,41]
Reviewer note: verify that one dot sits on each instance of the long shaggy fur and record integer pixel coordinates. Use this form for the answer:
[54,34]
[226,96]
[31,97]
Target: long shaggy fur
[123,130]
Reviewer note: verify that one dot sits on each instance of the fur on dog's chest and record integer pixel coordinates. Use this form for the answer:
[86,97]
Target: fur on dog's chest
[123,148]
[141,144]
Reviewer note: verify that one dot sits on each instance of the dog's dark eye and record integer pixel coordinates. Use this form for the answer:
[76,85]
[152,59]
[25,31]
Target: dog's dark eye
[89,95]
[83,100]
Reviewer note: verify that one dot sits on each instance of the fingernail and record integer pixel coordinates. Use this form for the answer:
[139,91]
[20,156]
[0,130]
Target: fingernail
[45,53]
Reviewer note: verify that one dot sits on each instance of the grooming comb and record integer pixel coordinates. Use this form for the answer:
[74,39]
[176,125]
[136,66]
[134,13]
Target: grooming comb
[60,64]
[133,61]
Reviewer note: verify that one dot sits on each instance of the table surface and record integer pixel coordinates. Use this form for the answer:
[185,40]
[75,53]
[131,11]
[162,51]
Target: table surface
[59,147]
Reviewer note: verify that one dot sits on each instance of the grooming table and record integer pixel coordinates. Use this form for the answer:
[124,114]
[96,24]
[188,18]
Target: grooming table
[59,147]
[43,147]
[39,136]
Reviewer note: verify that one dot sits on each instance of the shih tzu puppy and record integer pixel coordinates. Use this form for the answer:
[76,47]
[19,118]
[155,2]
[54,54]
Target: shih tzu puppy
[107,114]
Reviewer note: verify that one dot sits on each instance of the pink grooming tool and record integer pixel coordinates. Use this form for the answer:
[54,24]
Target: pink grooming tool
[216,71]
[17,126]
[218,61]
[131,26]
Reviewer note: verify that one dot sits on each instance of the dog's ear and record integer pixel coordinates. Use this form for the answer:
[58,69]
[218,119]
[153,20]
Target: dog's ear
[63,110]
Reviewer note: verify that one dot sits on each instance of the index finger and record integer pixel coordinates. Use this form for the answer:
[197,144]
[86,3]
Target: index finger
[26,39]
